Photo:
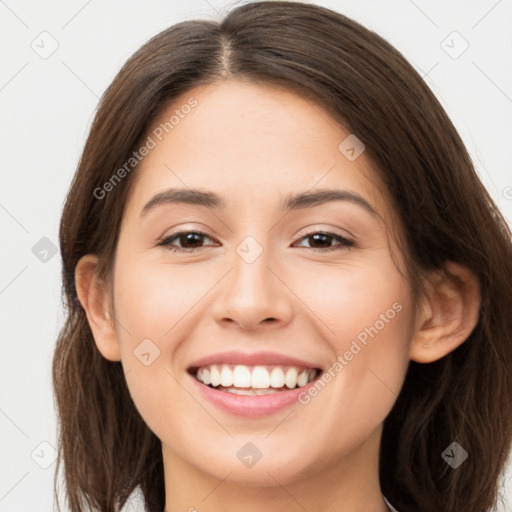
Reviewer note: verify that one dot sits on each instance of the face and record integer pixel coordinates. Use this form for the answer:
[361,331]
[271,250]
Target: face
[257,280]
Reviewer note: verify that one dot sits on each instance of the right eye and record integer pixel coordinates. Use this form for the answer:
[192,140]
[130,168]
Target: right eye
[187,240]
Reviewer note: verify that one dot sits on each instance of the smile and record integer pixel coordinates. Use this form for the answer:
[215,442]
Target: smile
[254,380]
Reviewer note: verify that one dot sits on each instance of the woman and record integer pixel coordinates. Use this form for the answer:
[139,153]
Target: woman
[216,354]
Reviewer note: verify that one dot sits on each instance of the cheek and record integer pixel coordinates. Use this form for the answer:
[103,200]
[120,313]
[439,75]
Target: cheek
[151,304]
[350,297]
[366,320]
[151,299]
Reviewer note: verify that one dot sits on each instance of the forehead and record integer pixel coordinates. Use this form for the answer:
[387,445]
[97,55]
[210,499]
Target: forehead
[251,143]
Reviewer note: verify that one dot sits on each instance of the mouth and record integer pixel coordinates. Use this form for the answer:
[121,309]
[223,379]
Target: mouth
[253,380]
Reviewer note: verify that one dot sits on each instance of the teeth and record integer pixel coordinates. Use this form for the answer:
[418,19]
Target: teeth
[302,379]
[242,377]
[255,379]
[276,377]
[226,376]
[249,392]
[290,378]
[260,378]
[214,375]
[206,376]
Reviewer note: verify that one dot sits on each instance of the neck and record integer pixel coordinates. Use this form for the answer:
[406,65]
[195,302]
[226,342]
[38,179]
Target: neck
[347,485]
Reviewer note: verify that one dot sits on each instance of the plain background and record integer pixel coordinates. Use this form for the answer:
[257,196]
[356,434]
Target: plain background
[47,104]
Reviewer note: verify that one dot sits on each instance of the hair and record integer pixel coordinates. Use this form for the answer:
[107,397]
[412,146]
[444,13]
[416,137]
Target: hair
[368,87]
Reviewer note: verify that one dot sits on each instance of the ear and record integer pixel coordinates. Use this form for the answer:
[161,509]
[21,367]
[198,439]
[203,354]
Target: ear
[448,315]
[94,297]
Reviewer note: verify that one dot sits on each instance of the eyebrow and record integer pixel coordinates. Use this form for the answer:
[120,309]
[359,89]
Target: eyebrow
[292,202]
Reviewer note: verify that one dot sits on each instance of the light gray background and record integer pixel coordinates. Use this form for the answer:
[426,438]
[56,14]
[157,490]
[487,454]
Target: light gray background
[47,105]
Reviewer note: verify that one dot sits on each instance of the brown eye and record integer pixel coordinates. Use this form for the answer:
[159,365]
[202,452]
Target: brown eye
[323,240]
[188,241]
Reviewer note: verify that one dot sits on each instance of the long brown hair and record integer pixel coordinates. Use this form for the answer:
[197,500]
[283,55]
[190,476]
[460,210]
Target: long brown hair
[447,214]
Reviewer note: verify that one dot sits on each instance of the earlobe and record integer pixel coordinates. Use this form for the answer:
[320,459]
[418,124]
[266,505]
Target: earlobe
[94,298]
[448,315]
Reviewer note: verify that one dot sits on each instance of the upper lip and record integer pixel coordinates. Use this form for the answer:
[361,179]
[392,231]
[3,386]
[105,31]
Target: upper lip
[252,359]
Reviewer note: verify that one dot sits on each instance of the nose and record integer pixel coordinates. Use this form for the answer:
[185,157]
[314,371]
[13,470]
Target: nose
[254,295]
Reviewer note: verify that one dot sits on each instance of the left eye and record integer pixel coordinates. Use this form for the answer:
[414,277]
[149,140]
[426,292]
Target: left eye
[188,239]
[320,237]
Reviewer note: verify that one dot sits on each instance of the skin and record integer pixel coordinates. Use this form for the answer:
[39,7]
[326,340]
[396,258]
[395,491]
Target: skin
[253,145]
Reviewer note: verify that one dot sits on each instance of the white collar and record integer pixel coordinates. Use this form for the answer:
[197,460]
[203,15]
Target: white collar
[393,509]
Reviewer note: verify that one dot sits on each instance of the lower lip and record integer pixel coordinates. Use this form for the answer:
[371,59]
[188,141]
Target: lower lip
[251,406]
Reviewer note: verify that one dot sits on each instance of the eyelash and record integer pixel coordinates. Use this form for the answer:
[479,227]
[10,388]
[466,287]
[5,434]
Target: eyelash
[344,242]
